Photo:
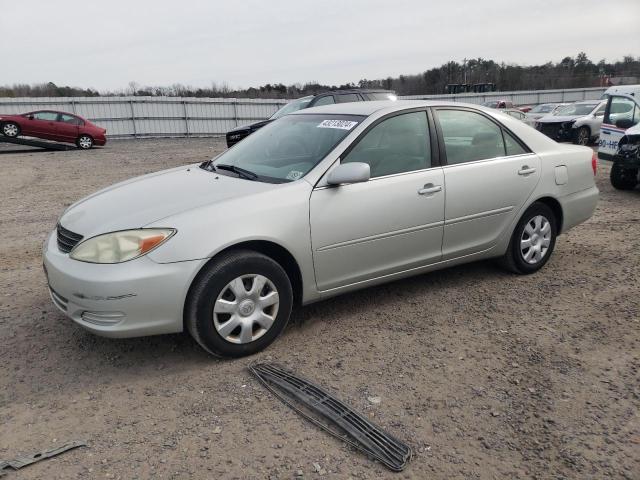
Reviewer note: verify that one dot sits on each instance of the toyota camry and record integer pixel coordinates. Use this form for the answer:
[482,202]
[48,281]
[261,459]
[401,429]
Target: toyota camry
[318,203]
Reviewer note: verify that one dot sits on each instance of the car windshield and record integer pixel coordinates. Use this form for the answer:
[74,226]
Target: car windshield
[544,108]
[576,109]
[492,104]
[288,148]
[294,106]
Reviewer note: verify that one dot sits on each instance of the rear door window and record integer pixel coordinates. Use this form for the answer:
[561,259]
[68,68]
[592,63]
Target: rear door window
[511,144]
[69,119]
[469,136]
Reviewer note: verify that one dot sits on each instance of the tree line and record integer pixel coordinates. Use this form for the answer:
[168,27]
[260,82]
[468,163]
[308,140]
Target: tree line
[570,72]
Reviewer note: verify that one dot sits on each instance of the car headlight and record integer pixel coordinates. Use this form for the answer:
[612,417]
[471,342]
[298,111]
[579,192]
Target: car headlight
[118,247]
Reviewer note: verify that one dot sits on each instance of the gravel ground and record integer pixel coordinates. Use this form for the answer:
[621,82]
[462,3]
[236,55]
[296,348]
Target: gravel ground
[485,374]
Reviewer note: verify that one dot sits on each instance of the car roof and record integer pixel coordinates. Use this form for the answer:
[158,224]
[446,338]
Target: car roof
[356,90]
[368,108]
[53,111]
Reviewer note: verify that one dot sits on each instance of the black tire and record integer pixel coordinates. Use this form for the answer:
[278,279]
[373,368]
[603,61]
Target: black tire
[583,136]
[514,259]
[211,283]
[623,178]
[10,129]
[84,142]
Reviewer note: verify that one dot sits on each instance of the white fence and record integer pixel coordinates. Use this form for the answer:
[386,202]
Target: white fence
[154,116]
[532,97]
[187,116]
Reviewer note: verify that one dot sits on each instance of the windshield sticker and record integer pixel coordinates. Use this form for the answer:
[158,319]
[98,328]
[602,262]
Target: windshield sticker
[294,175]
[341,124]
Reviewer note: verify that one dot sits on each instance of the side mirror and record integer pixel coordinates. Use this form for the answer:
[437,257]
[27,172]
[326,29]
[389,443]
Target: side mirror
[30,117]
[355,172]
[624,123]
[598,114]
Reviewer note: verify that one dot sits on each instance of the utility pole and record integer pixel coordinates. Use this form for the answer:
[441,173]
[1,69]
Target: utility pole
[464,70]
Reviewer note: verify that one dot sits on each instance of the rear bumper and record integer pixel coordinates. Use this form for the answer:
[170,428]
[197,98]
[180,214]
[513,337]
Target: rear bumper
[578,207]
[131,299]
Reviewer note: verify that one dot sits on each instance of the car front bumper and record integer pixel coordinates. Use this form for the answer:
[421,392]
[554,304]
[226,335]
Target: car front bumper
[130,299]
[557,131]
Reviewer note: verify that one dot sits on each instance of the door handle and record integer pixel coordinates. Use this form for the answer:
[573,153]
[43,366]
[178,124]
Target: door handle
[525,170]
[429,188]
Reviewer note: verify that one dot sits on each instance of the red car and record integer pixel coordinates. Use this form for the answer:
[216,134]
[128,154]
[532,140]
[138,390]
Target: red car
[50,125]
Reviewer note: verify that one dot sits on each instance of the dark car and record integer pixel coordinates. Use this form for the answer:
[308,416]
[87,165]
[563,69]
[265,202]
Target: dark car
[51,125]
[325,98]
[626,161]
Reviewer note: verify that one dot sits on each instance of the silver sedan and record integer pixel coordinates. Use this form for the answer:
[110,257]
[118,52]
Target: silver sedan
[318,203]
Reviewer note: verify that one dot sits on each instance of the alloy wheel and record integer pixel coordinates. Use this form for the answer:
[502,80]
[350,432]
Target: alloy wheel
[246,308]
[10,130]
[535,239]
[85,142]
[583,136]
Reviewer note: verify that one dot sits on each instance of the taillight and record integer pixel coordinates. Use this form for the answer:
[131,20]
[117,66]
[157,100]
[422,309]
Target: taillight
[594,163]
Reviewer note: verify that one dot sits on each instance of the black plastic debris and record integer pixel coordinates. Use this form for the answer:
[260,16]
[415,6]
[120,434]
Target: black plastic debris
[25,460]
[341,421]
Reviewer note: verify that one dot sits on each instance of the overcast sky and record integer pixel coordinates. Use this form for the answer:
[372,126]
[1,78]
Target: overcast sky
[105,45]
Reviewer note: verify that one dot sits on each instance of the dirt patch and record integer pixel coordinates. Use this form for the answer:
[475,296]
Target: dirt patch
[485,374]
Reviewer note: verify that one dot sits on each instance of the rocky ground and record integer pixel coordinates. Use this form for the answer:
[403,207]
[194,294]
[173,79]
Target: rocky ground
[485,374]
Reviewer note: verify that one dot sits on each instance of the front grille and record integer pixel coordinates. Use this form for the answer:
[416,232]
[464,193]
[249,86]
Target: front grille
[550,129]
[67,239]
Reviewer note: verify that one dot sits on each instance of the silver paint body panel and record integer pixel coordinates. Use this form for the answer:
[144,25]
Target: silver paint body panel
[342,237]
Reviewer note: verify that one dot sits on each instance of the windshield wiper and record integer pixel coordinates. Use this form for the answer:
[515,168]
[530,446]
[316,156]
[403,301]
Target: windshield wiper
[208,165]
[241,172]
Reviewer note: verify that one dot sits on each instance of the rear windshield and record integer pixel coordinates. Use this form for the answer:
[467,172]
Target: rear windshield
[381,96]
[287,149]
[294,106]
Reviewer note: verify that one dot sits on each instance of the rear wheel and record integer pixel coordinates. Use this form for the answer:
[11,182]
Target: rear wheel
[11,129]
[533,240]
[583,136]
[623,178]
[239,304]
[85,142]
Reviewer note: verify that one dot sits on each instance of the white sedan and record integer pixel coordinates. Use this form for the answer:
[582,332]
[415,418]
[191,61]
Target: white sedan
[317,203]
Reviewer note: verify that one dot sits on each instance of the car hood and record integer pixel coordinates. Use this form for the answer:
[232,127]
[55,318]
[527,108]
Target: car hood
[635,130]
[140,201]
[559,118]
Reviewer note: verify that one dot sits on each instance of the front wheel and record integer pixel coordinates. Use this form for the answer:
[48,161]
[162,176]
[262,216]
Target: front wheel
[10,130]
[239,304]
[532,241]
[623,178]
[85,142]
[583,136]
